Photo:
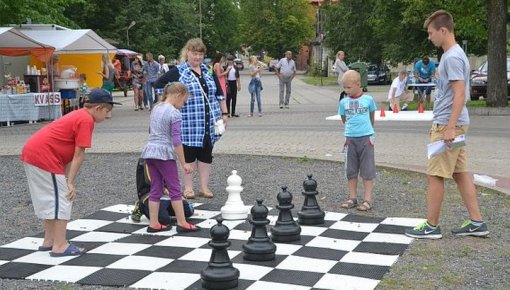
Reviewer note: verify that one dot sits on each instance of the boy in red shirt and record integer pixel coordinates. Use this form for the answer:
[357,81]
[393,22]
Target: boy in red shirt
[52,158]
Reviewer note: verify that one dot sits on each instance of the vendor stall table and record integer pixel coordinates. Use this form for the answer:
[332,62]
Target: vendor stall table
[30,107]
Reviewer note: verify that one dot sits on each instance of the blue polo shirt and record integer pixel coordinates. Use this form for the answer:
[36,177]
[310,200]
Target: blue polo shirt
[425,71]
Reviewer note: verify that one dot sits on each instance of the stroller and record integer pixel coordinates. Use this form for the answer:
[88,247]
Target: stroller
[143,186]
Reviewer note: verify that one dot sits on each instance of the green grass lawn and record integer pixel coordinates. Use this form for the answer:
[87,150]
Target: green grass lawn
[318,81]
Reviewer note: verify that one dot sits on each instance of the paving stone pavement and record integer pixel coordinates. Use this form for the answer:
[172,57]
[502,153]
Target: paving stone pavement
[301,131]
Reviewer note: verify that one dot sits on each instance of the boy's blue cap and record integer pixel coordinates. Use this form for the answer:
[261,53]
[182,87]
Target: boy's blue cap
[100,96]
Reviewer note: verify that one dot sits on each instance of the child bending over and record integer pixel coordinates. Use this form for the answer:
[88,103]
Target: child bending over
[52,158]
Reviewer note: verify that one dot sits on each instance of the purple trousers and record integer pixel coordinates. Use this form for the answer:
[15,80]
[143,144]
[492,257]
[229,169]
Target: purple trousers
[164,172]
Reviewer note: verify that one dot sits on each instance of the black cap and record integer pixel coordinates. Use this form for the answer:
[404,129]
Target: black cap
[100,96]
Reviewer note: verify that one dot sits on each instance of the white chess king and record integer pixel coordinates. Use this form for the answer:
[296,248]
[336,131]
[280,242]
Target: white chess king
[234,208]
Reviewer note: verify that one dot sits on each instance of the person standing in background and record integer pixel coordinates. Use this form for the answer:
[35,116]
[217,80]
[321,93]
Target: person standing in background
[424,71]
[137,82]
[285,72]
[125,74]
[340,68]
[150,72]
[220,72]
[163,67]
[233,86]
[255,85]
[108,74]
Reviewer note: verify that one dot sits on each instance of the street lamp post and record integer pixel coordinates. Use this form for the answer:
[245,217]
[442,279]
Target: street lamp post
[464,46]
[200,18]
[127,31]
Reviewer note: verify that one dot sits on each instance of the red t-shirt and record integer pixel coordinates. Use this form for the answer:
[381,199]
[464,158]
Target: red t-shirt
[52,147]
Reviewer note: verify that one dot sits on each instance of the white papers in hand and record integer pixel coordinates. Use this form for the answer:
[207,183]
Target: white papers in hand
[440,146]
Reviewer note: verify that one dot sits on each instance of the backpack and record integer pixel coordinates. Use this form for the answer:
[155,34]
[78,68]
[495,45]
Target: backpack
[143,187]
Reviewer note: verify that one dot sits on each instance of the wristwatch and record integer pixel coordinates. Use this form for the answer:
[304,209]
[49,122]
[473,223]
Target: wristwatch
[224,114]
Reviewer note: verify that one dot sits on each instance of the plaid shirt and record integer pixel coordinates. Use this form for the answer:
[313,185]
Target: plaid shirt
[193,111]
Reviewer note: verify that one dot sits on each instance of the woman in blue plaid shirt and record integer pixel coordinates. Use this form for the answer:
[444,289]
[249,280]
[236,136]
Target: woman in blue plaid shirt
[205,105]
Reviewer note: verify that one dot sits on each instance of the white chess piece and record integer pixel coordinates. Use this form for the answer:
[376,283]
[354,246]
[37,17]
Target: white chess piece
[234,208]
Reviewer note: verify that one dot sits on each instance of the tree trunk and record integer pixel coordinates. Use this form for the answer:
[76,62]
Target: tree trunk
[497,82]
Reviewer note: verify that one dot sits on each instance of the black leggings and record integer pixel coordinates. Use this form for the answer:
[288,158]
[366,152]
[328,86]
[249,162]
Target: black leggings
[232,97]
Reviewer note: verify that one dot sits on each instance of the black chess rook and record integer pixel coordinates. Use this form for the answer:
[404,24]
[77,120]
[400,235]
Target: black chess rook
[285,229]
[220,273]
[310,213]
[259,247]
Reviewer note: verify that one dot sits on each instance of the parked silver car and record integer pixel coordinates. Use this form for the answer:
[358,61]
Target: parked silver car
[479,80]
[378,74]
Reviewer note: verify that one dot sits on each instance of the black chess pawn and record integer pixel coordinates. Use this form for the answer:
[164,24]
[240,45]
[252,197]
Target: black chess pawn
[219,274]
[285,229]
[311,213]
[259,247]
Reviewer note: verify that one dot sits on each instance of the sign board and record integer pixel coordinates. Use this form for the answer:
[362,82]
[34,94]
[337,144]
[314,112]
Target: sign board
[47,99]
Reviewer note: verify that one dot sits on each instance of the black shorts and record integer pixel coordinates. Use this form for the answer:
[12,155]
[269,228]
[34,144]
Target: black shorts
[202,154]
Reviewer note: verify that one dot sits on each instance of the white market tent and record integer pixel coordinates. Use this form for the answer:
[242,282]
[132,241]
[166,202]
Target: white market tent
[81,48]
[80,41]
[15,43]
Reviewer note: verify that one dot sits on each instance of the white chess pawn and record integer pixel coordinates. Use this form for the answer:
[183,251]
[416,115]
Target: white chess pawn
[234,208]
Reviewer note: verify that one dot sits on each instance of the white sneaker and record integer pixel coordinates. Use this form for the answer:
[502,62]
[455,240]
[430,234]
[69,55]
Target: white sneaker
[404,107]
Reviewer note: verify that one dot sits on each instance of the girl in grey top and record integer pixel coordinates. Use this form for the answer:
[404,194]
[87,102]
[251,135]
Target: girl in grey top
[161,152]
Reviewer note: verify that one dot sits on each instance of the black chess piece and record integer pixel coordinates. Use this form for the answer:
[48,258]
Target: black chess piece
[310,213]
[219,274]
[285,229]
[259,247]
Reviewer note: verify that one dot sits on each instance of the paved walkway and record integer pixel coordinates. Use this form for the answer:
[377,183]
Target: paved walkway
[302,131]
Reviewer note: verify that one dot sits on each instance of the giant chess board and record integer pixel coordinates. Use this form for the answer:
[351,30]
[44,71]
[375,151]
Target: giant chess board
[347,252]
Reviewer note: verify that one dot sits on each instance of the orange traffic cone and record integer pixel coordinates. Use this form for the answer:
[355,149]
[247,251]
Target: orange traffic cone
[383,114]
[395,108]
[420,108]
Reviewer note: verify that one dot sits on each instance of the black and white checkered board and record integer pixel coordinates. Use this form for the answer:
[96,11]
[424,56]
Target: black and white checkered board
[348,251]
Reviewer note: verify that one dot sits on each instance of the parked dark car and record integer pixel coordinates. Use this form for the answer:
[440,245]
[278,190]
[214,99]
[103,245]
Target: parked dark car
[239,63]
[479,80]
[378,74]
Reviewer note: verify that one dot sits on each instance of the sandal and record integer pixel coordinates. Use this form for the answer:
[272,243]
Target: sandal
[187,228]
[206,194]
[364,206]
[161,228]
[350,203]
[45,249]
[71,250]
[189,194]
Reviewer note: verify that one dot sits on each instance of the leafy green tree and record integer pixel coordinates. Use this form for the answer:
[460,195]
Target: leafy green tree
[162,27]
[276,25]
[393,30]
[39,11]
[220,23]
[348,28]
